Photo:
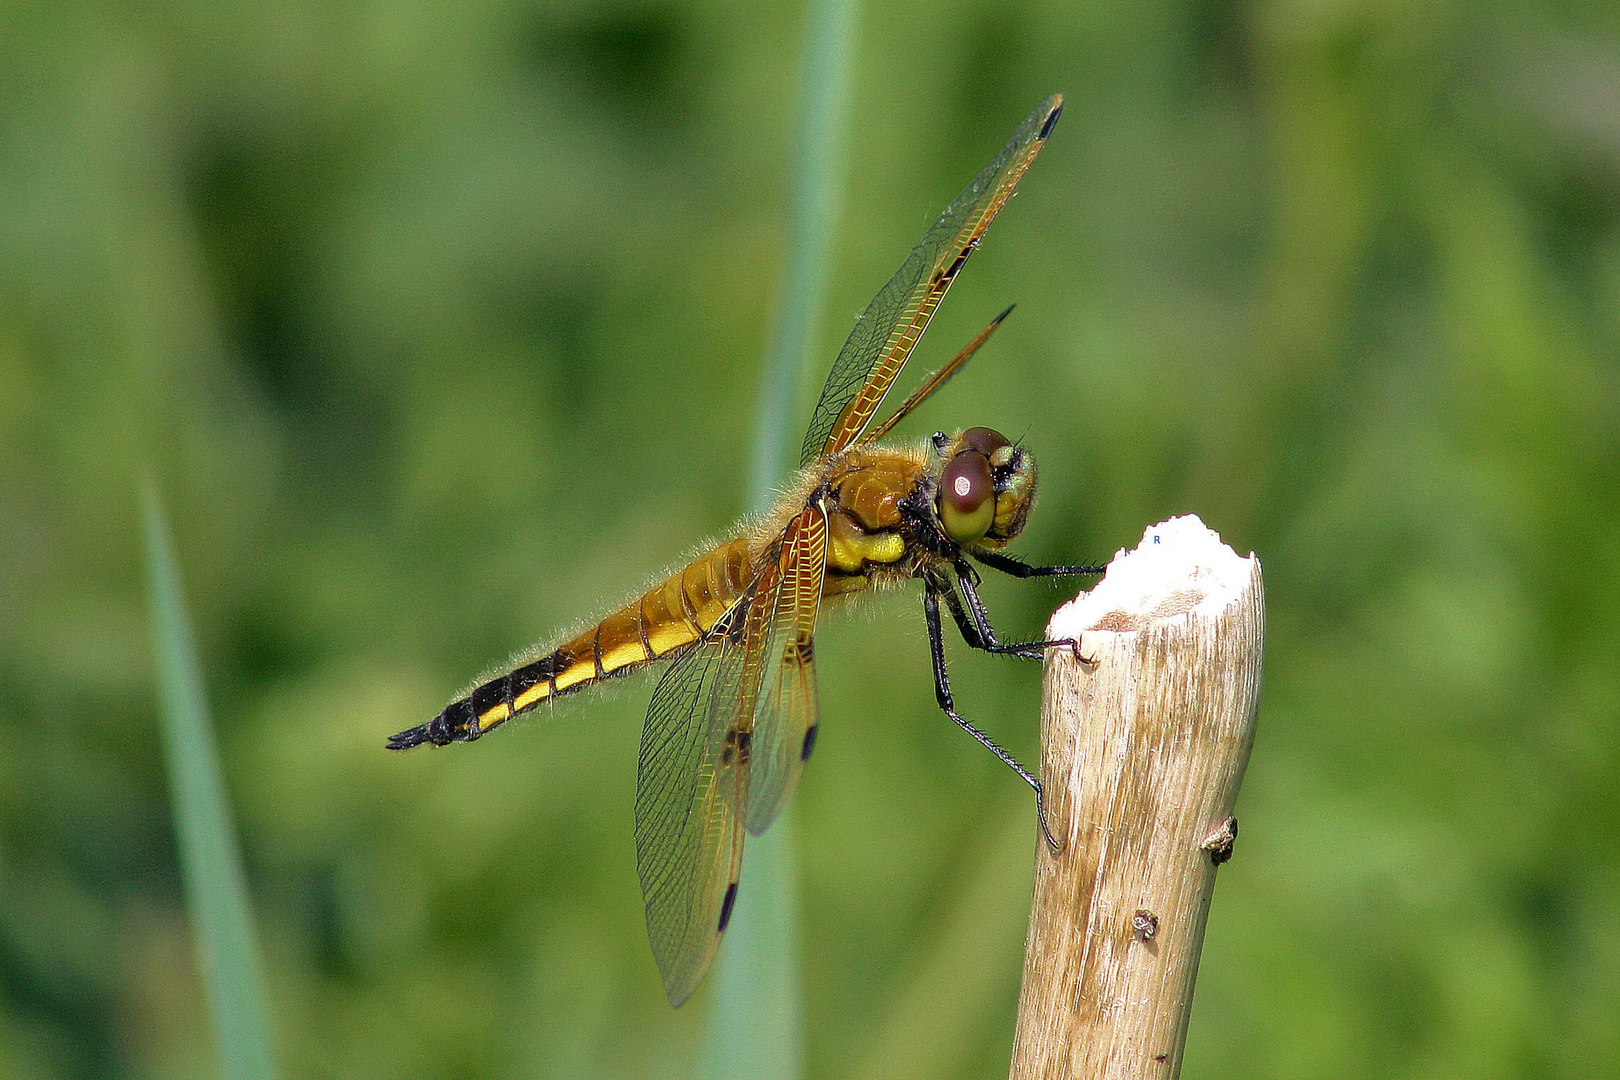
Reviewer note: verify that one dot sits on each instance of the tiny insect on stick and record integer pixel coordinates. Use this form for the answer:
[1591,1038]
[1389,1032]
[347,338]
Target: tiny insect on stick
[1143,747]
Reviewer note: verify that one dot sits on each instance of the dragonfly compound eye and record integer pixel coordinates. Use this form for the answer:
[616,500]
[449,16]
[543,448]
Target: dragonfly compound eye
[985,440]
[967,504]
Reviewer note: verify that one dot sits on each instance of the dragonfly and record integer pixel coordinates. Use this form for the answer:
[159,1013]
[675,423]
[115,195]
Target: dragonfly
[733,719]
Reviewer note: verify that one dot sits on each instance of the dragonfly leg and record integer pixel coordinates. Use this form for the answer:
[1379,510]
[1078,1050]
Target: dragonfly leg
[1009,565]
[974,622]
[942,693]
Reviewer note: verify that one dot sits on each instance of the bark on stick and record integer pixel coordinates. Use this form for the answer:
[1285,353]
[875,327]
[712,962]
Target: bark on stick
[1142,751]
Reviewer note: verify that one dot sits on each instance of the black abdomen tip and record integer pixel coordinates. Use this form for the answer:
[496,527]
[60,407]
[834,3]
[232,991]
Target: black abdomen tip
[457,723]
[407,739]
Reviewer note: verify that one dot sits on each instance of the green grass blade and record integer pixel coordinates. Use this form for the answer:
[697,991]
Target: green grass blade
[754,1021]
[216,895]
[817,191]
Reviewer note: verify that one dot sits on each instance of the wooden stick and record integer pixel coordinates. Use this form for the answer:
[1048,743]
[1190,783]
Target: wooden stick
[1143,747]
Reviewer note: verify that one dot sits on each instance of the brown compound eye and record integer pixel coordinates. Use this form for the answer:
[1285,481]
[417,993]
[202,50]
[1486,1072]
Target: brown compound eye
[985,440]
[967,504]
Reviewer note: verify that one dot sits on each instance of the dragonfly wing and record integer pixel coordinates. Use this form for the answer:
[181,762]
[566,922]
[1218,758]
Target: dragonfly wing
[690,785]
[933,382]
[888,330]
[785,716]
[724,742]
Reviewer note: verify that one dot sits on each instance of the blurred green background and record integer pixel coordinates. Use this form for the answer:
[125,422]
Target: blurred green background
[440,326]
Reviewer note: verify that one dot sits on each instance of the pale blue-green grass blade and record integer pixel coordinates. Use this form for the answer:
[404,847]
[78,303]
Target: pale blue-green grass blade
[755,1022]
[210,866]
[814,199]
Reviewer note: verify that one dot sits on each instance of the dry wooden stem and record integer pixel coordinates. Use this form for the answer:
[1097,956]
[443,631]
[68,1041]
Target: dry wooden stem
[1142,751]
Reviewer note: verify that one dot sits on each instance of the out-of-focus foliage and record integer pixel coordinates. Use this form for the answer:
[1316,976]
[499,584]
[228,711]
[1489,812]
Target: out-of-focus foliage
[440,325]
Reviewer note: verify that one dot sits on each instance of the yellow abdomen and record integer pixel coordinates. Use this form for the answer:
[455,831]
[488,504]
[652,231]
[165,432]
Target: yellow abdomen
[863,491]
[670,615]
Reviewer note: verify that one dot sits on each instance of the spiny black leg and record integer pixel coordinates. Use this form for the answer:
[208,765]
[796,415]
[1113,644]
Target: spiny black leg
[1009,565]
[970,631]
[986,635]
[942,692]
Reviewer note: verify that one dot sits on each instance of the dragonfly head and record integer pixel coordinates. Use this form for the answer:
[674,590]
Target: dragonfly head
[986,487]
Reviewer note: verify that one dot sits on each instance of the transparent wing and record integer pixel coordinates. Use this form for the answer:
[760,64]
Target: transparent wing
[888,330]
[691,780]
[785,717]
[933,382]
[726,736]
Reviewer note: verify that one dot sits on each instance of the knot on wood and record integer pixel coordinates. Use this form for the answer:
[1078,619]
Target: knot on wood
[1219,843]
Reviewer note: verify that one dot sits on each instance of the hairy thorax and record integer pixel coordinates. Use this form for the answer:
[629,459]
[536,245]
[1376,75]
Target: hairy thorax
[865,541]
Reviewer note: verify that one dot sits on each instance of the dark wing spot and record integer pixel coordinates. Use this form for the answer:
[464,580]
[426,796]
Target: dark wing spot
[809,741]
[725,907]
[1051,121]
[735,746]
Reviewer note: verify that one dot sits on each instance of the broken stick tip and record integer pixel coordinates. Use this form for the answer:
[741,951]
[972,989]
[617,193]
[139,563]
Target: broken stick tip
[1181,566]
